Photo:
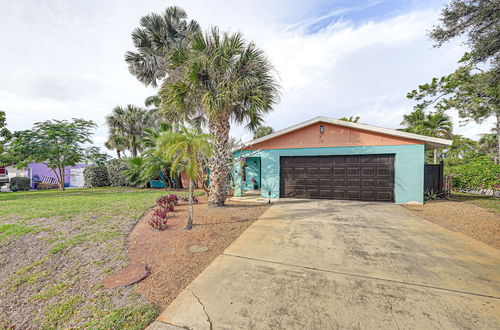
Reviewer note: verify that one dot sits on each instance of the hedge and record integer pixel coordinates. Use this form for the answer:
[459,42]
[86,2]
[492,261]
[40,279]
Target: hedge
[20,183]
[116,172]
[95,176]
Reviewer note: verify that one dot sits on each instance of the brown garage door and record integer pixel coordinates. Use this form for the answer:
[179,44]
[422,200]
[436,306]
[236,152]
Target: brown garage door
[354,177]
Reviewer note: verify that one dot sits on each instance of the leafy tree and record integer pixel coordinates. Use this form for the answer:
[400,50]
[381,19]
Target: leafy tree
[5,135]
[461,150]
[262,131]
[473,91]
[351,119]
[222,79]
[128,124]
[478,21]
[155,37]
[56,143]
[186,149]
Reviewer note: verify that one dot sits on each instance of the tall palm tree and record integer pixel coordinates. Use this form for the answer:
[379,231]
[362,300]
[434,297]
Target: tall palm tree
[414,122]
[436,124]
[156,35]
[129,123]
[220,78]
[262,131]
[186,149]
[116,142]
[351,119]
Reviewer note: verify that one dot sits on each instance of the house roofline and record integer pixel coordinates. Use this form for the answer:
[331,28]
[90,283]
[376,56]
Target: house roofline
[430,142]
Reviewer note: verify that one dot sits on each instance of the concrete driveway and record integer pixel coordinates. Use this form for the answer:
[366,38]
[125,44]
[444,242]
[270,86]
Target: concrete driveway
[343,265]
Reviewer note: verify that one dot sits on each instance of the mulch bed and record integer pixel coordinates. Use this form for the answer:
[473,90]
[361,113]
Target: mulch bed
[471,220]
[166,253]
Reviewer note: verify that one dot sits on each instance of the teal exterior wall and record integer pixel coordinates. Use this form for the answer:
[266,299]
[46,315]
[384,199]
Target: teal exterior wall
[408,167]
[252,171]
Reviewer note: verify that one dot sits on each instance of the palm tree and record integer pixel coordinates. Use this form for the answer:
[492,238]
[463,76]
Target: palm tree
[129,124]
[221,79]
[262,131]
[186,149]
[351,119]
[116,142]
[488,143]
[414,122]
[435,124]
[156,35]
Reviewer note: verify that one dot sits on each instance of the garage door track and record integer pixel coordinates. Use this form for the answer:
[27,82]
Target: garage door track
[343,265]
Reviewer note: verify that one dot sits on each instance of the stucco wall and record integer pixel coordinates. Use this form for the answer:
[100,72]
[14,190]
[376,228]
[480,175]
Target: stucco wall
[333,136]
[42,170]
[408,167]
[252,171]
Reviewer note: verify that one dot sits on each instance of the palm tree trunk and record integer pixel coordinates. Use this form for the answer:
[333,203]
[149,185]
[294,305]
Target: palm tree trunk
[435,156]
[118,154]
[219,171]
[190,217]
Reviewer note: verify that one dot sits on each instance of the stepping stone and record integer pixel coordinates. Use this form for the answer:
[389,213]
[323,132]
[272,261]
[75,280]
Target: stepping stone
[197,249]
[126,276]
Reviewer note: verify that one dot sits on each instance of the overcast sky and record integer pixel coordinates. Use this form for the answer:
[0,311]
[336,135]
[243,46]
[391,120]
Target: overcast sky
[64,59]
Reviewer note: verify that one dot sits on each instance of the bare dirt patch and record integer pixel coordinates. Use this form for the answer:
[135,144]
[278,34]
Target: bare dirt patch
[471,220]
[167,253]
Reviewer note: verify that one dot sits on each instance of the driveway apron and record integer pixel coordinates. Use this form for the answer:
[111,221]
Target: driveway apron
[320,264]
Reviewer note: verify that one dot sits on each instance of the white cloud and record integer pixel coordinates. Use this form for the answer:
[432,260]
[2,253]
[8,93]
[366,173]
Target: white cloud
[63,59]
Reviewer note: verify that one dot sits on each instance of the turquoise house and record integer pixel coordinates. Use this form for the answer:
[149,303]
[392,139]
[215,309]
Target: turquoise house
[325,158]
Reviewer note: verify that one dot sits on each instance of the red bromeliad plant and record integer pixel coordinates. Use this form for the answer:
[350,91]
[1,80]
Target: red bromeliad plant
[158,219]
[168,202]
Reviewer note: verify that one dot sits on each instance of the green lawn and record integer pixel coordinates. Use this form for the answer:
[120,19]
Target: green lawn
[55,249]
[489,202]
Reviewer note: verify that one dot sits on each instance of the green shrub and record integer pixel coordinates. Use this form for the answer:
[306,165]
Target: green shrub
[476,173]
[95,176]
[19,183]
[116,172]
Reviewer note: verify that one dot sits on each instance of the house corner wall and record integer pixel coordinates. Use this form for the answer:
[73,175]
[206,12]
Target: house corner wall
[408,167]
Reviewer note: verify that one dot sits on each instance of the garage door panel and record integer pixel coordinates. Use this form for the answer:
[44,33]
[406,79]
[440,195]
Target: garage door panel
[341,182]
[383,171]
[368,171]
[353,159]
[368,183]
[326,193]
[354,194]
[353,183]
[353,171]
[339,171]
[367,159]
[368,195]
[383,183]
[352,177]
[339,194]
[325,183]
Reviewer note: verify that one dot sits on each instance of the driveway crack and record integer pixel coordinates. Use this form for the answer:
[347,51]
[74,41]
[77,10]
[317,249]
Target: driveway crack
[204,309]
[390,305]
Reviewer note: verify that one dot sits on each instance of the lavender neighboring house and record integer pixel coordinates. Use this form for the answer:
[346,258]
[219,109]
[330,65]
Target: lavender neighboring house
[72,177]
